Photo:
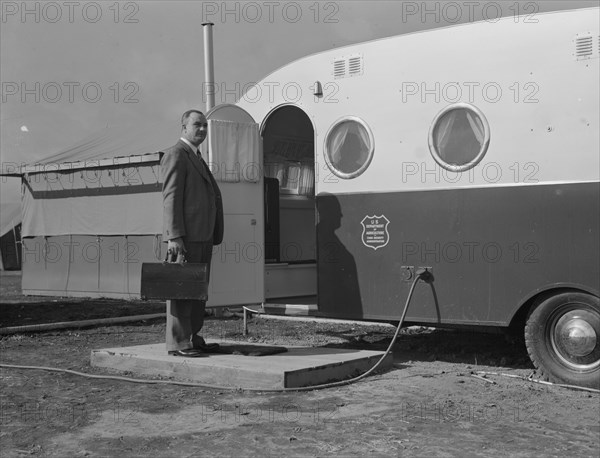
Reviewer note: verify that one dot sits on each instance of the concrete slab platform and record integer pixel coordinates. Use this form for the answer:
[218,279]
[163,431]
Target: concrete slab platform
[299,366]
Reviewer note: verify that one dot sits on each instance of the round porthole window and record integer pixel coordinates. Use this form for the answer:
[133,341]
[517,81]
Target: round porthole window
[349,147]
[459,137]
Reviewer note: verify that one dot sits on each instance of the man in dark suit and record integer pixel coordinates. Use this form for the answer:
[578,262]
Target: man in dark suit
[192,224]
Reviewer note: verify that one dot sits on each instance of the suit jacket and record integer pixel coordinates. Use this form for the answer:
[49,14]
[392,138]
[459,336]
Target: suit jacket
[192,203]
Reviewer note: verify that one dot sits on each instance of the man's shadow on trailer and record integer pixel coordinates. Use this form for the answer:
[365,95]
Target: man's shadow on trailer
[338,287]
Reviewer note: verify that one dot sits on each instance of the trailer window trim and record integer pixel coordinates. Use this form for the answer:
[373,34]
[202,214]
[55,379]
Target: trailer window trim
[484,144]
[328,154]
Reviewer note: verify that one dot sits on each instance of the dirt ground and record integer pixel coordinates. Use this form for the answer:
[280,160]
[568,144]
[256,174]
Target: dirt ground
[428,405]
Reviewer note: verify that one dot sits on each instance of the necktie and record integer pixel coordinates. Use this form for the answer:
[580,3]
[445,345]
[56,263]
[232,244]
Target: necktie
[204,165]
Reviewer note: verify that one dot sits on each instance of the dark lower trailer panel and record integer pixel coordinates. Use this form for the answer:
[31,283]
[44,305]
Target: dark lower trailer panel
[490,249]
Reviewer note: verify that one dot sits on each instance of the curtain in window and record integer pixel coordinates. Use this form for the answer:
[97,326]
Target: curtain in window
[234,151]
[476,126]
[366,143]
[336,140]
[444,128]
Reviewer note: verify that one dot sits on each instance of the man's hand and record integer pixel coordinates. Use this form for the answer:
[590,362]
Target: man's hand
[175,250]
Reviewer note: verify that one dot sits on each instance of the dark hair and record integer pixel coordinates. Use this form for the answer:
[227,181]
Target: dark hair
[187,114]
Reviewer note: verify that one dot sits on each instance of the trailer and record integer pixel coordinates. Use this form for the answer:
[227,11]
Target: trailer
[471,151]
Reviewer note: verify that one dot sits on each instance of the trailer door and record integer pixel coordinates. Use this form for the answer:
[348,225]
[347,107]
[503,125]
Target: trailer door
[234,153]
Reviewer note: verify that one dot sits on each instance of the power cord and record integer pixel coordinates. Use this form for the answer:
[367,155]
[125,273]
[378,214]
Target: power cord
[420,274]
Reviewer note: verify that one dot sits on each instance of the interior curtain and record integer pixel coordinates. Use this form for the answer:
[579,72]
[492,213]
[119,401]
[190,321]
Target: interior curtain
[444,128]
[476,126]
[234,151]
[336,141]
[366,142]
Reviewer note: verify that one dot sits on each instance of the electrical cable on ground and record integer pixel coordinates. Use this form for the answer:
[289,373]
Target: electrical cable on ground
[78,324]
[422,274]
[543,382]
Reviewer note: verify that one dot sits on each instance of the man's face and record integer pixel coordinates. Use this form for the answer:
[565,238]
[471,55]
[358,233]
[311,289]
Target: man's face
[195,129]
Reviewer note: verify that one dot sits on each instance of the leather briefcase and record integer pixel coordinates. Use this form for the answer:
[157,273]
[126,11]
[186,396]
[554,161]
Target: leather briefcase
[174,280]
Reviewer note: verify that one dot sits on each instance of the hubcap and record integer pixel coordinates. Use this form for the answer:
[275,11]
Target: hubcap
[575,336]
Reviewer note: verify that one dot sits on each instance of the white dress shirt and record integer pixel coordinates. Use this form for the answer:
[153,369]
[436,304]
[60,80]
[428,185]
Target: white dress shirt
[196,150]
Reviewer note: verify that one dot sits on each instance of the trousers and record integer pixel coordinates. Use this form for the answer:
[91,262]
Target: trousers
[185,318]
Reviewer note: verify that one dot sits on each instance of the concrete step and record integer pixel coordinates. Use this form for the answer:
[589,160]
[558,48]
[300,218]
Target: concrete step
[297,367]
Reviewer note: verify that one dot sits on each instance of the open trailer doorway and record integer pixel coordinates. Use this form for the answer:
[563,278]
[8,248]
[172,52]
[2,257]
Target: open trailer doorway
[290,211]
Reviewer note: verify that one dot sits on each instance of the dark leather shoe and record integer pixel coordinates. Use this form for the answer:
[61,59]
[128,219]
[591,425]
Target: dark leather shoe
[206,347]
[187,353]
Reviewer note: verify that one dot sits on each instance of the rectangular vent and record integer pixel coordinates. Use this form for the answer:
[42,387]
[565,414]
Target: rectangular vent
[346,66]
[583,47]
[586,48]
[355,66]
[339,68]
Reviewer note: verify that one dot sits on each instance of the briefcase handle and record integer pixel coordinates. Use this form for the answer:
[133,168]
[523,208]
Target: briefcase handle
[180,258]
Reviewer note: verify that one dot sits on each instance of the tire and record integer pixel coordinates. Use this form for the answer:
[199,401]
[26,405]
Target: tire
[562,336]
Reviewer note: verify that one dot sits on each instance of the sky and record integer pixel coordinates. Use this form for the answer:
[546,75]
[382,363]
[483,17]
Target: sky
[71,68]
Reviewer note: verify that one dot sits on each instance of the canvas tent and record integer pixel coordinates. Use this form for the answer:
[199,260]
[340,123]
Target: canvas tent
[93,212]
[10,236]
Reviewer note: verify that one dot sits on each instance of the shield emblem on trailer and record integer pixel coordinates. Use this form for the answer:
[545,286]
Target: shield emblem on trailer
[375,231]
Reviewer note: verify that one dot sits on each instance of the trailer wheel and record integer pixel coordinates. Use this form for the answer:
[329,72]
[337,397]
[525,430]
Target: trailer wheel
[562,335]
